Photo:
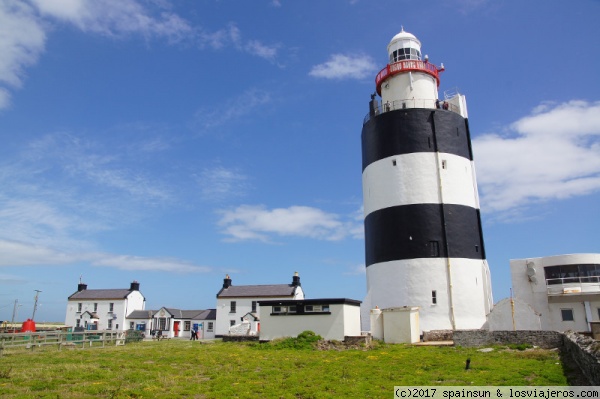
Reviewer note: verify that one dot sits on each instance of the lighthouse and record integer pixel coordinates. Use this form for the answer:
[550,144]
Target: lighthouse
[423,236]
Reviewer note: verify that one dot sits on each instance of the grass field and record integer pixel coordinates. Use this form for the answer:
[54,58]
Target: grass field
[182,368]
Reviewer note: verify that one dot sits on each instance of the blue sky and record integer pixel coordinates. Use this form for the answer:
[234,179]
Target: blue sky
[172,142]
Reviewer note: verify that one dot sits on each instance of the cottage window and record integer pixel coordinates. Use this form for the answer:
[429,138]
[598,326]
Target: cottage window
[210,326]
[292,309]
[186,325]
[279,309]
[111,307]
[231,323]
[567,315]
[131,325]
[325,308]
[79,305]
[95,307]
[109,324]
[162,323]
[78,323]
[232,306]
[253,306]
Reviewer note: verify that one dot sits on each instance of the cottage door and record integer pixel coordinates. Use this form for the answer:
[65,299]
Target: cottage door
[176,328]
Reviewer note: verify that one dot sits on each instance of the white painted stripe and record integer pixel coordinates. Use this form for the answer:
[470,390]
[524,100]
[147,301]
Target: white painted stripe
[414,180]
[411,282]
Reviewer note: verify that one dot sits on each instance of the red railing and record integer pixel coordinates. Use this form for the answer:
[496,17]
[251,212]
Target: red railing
[407,66]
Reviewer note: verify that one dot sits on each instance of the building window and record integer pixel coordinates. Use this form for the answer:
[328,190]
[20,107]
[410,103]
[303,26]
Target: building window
[210,326]
[231,323]
[95,307]
[567,314]
[111,307]
[443,164]
[325,308]
[131,325]
[162,323]
[79,306]
[110,324]
[292,309]
[232,306]
[394,162]
[253,306]
[434,297]
[434,249]
[186,325]
[279,309]
[78,323]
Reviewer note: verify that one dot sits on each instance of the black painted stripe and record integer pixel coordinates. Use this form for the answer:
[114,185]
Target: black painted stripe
[412,231]
[412,130]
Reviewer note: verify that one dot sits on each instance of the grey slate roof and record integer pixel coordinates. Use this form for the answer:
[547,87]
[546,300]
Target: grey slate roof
[208,314]
[273,290]
[101,294]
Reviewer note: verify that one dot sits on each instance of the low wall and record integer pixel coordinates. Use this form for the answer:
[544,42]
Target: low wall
[240,338]
[585,351]
[543,339]
[437,335]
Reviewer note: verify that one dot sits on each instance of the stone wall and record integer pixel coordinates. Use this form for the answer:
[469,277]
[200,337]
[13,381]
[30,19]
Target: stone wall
[543,339]
[585,351]
[437,335]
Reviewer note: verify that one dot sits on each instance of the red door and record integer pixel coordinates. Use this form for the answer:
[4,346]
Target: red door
[176,328]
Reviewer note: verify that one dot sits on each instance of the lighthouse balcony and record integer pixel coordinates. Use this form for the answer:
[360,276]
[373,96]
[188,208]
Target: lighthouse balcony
[432,103]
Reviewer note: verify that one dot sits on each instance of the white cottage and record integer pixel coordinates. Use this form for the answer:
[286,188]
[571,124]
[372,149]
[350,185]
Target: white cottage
[331,318]
[103,309]
[236,302]
[562,290]
[174,323]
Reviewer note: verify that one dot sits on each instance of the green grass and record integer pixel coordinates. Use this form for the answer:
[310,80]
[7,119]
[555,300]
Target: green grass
[182,368]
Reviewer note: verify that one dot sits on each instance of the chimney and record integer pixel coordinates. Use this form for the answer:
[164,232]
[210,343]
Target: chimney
[296,280]
[226,281]
[81,287]
[135,286]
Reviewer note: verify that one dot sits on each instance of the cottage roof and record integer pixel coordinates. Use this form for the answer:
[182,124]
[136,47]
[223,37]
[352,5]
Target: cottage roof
[101,294]
[273,290]
[208,314]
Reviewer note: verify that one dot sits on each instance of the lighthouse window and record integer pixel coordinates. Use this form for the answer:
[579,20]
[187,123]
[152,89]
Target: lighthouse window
[444,164]
[434,297]
[434,249]
[394,162]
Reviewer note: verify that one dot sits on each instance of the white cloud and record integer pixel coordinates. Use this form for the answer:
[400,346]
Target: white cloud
[127,262]
[233,109]
[554,153]
[116,18]
[219,183]
[15,253]
[22,40]
[342,66]
[248,222]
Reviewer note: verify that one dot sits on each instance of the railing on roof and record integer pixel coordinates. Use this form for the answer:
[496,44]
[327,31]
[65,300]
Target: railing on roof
[407,66]
[573,285]
[409,103]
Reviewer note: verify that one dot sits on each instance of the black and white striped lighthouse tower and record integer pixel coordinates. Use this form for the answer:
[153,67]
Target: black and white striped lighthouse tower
[423,237]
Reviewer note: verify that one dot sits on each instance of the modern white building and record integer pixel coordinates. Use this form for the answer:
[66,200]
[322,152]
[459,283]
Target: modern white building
[331,318]
[423,235]
[103,309]
[236,301]
[564,290]
[174,323]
